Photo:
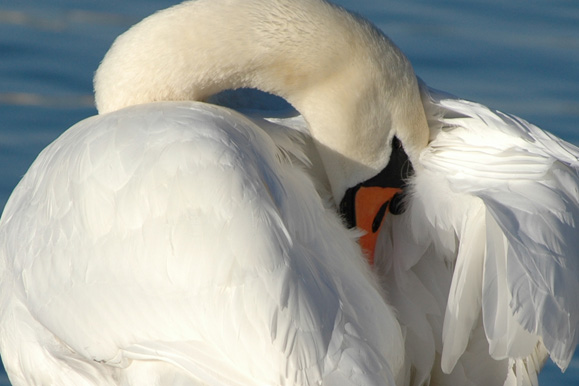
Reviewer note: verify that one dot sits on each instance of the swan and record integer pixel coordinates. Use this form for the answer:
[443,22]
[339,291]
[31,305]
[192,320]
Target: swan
[166,241]
[171,241]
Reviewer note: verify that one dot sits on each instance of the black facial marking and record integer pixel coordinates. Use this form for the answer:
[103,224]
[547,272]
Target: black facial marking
[348,207]
[394,175]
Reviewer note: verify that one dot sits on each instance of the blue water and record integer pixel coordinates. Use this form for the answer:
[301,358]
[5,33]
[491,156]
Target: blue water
[521,57]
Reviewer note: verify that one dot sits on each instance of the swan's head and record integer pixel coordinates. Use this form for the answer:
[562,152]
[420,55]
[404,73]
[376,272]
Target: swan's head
[354,87]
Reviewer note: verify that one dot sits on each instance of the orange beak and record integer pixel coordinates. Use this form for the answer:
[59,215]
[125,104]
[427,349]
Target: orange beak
[372,203]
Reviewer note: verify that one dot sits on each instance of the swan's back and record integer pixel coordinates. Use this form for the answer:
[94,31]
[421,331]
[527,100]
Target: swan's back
[176,240]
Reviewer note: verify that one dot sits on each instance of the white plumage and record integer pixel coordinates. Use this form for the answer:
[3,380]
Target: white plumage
[168,241]
[484,261]
[177,239]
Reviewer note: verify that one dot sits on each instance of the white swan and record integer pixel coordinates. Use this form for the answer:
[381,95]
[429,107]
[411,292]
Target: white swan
[175,242]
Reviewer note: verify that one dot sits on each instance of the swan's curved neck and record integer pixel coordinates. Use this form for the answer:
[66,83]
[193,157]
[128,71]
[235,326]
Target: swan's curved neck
[353,86]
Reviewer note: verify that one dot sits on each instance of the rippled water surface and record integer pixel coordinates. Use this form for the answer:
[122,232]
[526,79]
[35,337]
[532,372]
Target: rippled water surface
[521,57]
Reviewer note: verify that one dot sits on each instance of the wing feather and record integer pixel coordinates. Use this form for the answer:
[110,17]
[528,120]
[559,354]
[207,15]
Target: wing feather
[493,205]
[528,181]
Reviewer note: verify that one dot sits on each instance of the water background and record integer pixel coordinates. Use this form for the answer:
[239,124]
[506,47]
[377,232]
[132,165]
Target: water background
[520,57]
